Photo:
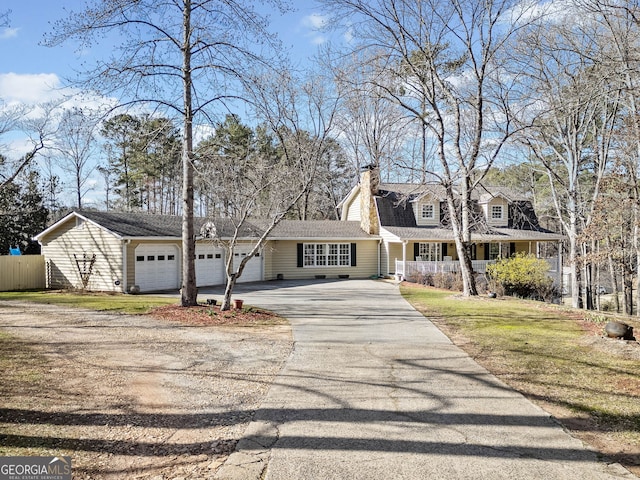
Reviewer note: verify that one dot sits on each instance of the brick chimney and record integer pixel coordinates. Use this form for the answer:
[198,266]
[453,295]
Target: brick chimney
[369,184]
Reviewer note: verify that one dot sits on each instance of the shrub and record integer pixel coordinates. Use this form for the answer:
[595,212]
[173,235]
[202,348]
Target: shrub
[448,281]
[522,275]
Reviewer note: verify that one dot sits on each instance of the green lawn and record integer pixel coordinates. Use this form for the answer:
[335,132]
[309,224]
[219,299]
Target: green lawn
[540,350]
[133,304]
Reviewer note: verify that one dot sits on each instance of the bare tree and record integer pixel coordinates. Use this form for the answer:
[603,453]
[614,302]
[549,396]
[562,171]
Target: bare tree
[374,127]
[619,24]
[443,60]
[36,123]
[300,115]
[4,18]
[182,58]
[573,106]
[75,143]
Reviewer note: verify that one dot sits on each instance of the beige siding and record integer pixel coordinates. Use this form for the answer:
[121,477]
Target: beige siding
[281,258]
[387,249]
[395,253]
[417,212]
[503,222]
[527,247]
[59,247]
[21,272]
[353,209]
[384,259]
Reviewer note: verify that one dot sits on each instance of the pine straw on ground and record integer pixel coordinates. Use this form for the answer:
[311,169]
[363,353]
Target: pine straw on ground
[207,315]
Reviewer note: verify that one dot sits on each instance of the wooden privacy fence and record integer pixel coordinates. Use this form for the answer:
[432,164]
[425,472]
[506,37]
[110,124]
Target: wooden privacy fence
[21,272]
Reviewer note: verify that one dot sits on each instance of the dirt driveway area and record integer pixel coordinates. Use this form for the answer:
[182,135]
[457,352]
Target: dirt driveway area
[132,396]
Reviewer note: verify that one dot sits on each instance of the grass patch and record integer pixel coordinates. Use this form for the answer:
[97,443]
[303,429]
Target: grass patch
[540,350]
[21,367]
[120,303]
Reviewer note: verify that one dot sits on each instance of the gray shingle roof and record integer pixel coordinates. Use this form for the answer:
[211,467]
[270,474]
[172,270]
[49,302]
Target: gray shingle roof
[411,191]
[127,224]
[493,235]
[140,225]
[393,209]
[327,229]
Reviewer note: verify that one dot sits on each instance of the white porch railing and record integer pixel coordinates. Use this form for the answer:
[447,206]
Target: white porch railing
[413,268]
[479,266]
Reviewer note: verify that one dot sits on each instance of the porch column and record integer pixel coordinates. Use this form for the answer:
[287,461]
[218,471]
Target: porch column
[560,266]
[404,259]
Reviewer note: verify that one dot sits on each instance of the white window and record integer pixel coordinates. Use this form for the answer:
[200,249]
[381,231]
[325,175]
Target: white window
[429,252]
[498,250]
[427,211]
[496,212]
[327,254]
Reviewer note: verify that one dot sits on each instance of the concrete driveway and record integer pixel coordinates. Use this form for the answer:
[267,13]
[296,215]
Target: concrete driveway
[373,390]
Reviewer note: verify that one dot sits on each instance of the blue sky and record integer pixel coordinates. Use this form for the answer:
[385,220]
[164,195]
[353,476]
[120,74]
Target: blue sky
[30,72]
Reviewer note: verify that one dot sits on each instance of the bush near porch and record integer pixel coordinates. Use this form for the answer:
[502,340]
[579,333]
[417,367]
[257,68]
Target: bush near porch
[522,275]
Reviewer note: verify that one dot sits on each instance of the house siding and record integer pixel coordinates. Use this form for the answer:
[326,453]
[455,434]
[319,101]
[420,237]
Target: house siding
[387,262]
[504,221]
[281,257]
[353,209]
[417,212]
[59,247]
[395,253]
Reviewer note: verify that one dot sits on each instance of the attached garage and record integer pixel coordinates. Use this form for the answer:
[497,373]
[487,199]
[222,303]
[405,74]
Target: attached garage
[136,249]
[157,267]
[209,265]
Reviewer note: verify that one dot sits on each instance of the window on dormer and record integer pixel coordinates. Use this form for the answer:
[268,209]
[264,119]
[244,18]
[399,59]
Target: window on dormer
[496,212]
[427,212]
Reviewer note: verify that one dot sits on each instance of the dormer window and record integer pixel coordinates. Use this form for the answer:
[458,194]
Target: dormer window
[496,212]
[427,211]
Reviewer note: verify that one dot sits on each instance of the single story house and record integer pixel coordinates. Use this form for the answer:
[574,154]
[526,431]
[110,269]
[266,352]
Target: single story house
[385,229]
[118,251]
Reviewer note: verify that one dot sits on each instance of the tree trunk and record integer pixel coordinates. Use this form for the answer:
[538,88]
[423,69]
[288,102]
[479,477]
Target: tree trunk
[228,290]
[466,271]
[614,277]
[189,292]
[636,246]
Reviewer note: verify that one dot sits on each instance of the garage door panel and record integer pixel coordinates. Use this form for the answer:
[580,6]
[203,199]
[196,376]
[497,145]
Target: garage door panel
[157,267]
[253,269]
[209,265]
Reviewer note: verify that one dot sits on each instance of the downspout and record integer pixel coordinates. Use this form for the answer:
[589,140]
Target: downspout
[379,257]
[124,265]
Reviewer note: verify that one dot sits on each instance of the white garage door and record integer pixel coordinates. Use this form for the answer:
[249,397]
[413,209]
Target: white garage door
[209,265]
[253,269]
[157,267]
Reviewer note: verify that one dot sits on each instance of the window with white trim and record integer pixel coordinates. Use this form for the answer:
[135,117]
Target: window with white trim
[327,254]
[427,211]
[429,252]
[496,212]
[498,250]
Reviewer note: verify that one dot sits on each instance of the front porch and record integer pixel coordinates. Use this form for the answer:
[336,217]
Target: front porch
[409,269]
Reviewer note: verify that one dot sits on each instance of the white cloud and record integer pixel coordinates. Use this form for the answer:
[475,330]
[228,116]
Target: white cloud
[313,24]
[551,12]
[315,21]
[7,33]
[318,39]
[29,88]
